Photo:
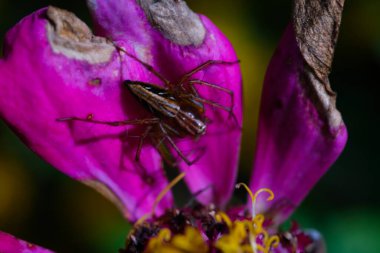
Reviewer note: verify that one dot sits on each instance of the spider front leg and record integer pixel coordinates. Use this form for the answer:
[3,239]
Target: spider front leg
[149,67]
[204,65]
[89,119]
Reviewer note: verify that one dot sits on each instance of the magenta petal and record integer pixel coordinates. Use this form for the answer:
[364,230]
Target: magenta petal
[300,133]
[218,165]
[10,244]
[173,49]
[50,72]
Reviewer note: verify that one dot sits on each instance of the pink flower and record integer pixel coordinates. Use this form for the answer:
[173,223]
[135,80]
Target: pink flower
[54,67]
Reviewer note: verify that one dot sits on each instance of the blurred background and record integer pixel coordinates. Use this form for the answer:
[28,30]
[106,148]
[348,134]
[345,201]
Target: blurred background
[41,205]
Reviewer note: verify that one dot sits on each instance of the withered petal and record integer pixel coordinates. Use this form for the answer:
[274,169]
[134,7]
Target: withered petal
[301,133]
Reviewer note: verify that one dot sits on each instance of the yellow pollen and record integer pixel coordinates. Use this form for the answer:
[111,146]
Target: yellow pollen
[160,197]
[158,241]
[191,242]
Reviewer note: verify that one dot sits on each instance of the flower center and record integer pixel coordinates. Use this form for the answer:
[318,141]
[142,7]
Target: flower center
[201,229]
[206,229]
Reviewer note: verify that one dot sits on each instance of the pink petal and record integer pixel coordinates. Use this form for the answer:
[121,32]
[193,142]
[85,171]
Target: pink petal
[174,54]
[39,85]
[301,133]
[82,75]
[10,244]
[219,163]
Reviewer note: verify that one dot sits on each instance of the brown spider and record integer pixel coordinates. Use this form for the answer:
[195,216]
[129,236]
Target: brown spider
[178,110]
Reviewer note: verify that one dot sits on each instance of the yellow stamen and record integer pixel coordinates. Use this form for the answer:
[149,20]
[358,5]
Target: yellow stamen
[273,241]
[260,248]
[166,190]
[255,227]
[160,197]
[254,196]
[232,242]
[248,190]
[222,216]
[271,194]
[258,221]
[271,197]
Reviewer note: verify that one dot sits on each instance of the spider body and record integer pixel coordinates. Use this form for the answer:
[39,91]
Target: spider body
[182,116]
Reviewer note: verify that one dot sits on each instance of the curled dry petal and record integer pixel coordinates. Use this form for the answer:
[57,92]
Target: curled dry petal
[10,244]
[54,67]
[301,133]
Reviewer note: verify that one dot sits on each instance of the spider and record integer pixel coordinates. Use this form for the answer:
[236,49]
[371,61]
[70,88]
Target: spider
[177,109]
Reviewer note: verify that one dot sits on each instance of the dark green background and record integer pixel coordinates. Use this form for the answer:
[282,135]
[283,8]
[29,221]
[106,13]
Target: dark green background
[41,205]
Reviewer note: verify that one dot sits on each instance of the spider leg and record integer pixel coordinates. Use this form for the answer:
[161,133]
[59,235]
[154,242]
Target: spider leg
[176,148]
[162,148]
[147,177]
[147,121]
[214,86]
[217,105]
[200,150]
[164,152]
[129,82]
[141,142]
[168,158]
[209,102]
[204,65]
[193,199]
[179,152]
[146,65]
